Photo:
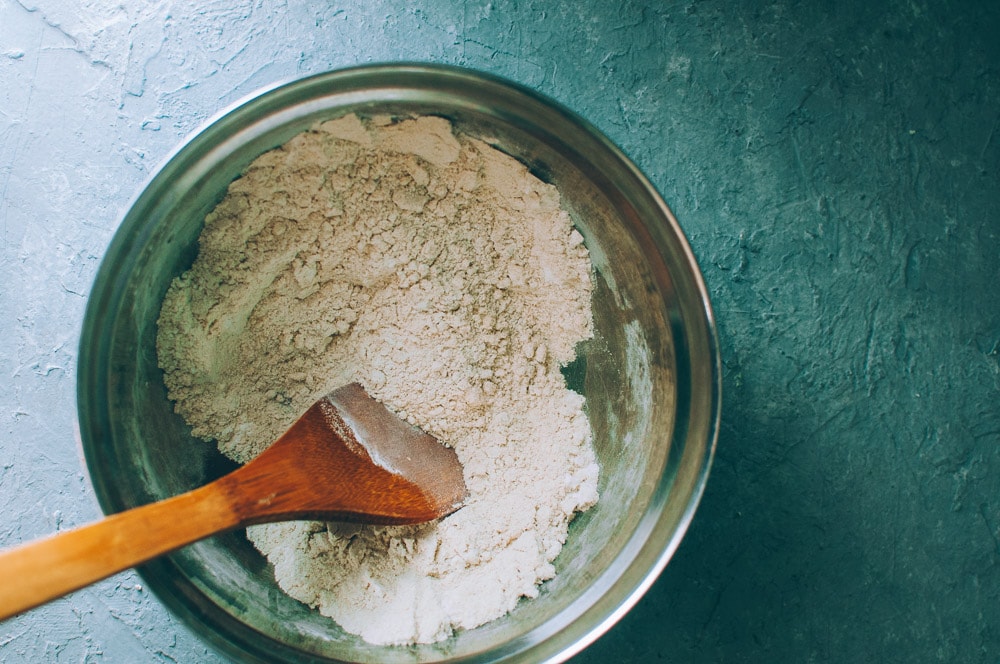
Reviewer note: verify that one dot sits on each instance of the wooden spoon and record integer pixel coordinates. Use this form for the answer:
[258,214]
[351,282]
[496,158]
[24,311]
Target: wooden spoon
[347,458]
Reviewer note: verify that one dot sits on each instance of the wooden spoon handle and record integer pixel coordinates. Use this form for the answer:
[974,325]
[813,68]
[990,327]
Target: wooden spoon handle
[43,570]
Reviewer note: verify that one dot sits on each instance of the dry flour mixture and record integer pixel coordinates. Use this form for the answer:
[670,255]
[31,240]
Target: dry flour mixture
[445,278]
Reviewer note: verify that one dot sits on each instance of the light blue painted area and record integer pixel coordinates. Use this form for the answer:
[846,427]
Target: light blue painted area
[836,168]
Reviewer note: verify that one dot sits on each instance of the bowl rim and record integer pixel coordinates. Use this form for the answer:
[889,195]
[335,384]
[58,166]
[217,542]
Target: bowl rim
[701,421]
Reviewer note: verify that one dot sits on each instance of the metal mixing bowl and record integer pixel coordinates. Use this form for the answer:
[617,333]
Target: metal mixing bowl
[650,376]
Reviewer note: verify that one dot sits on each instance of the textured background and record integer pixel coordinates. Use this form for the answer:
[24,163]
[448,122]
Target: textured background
[836,167]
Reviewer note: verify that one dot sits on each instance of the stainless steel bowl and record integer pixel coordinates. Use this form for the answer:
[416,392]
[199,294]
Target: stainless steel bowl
[651,376]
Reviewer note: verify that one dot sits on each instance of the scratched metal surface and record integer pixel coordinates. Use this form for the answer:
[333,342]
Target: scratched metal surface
[836,167]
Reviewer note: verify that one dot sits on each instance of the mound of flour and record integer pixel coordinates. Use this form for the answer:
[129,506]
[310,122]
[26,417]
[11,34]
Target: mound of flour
[445,278]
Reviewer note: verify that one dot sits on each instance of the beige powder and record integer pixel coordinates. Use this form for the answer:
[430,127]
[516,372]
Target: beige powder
[445,278]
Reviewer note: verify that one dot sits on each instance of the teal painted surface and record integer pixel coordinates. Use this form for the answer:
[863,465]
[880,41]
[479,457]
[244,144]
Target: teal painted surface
[837,170]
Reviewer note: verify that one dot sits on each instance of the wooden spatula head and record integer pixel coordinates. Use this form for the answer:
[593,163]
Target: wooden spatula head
[349,458]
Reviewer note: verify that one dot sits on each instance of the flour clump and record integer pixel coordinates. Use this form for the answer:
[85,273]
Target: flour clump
[446,279]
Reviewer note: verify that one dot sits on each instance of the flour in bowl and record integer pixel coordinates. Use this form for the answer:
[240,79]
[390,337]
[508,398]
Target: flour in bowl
[445,278]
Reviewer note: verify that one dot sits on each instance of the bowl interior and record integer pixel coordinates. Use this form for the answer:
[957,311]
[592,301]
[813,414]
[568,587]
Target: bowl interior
[649,375]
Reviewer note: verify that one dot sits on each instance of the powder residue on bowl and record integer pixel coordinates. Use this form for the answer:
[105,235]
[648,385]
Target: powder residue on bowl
[440,274]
